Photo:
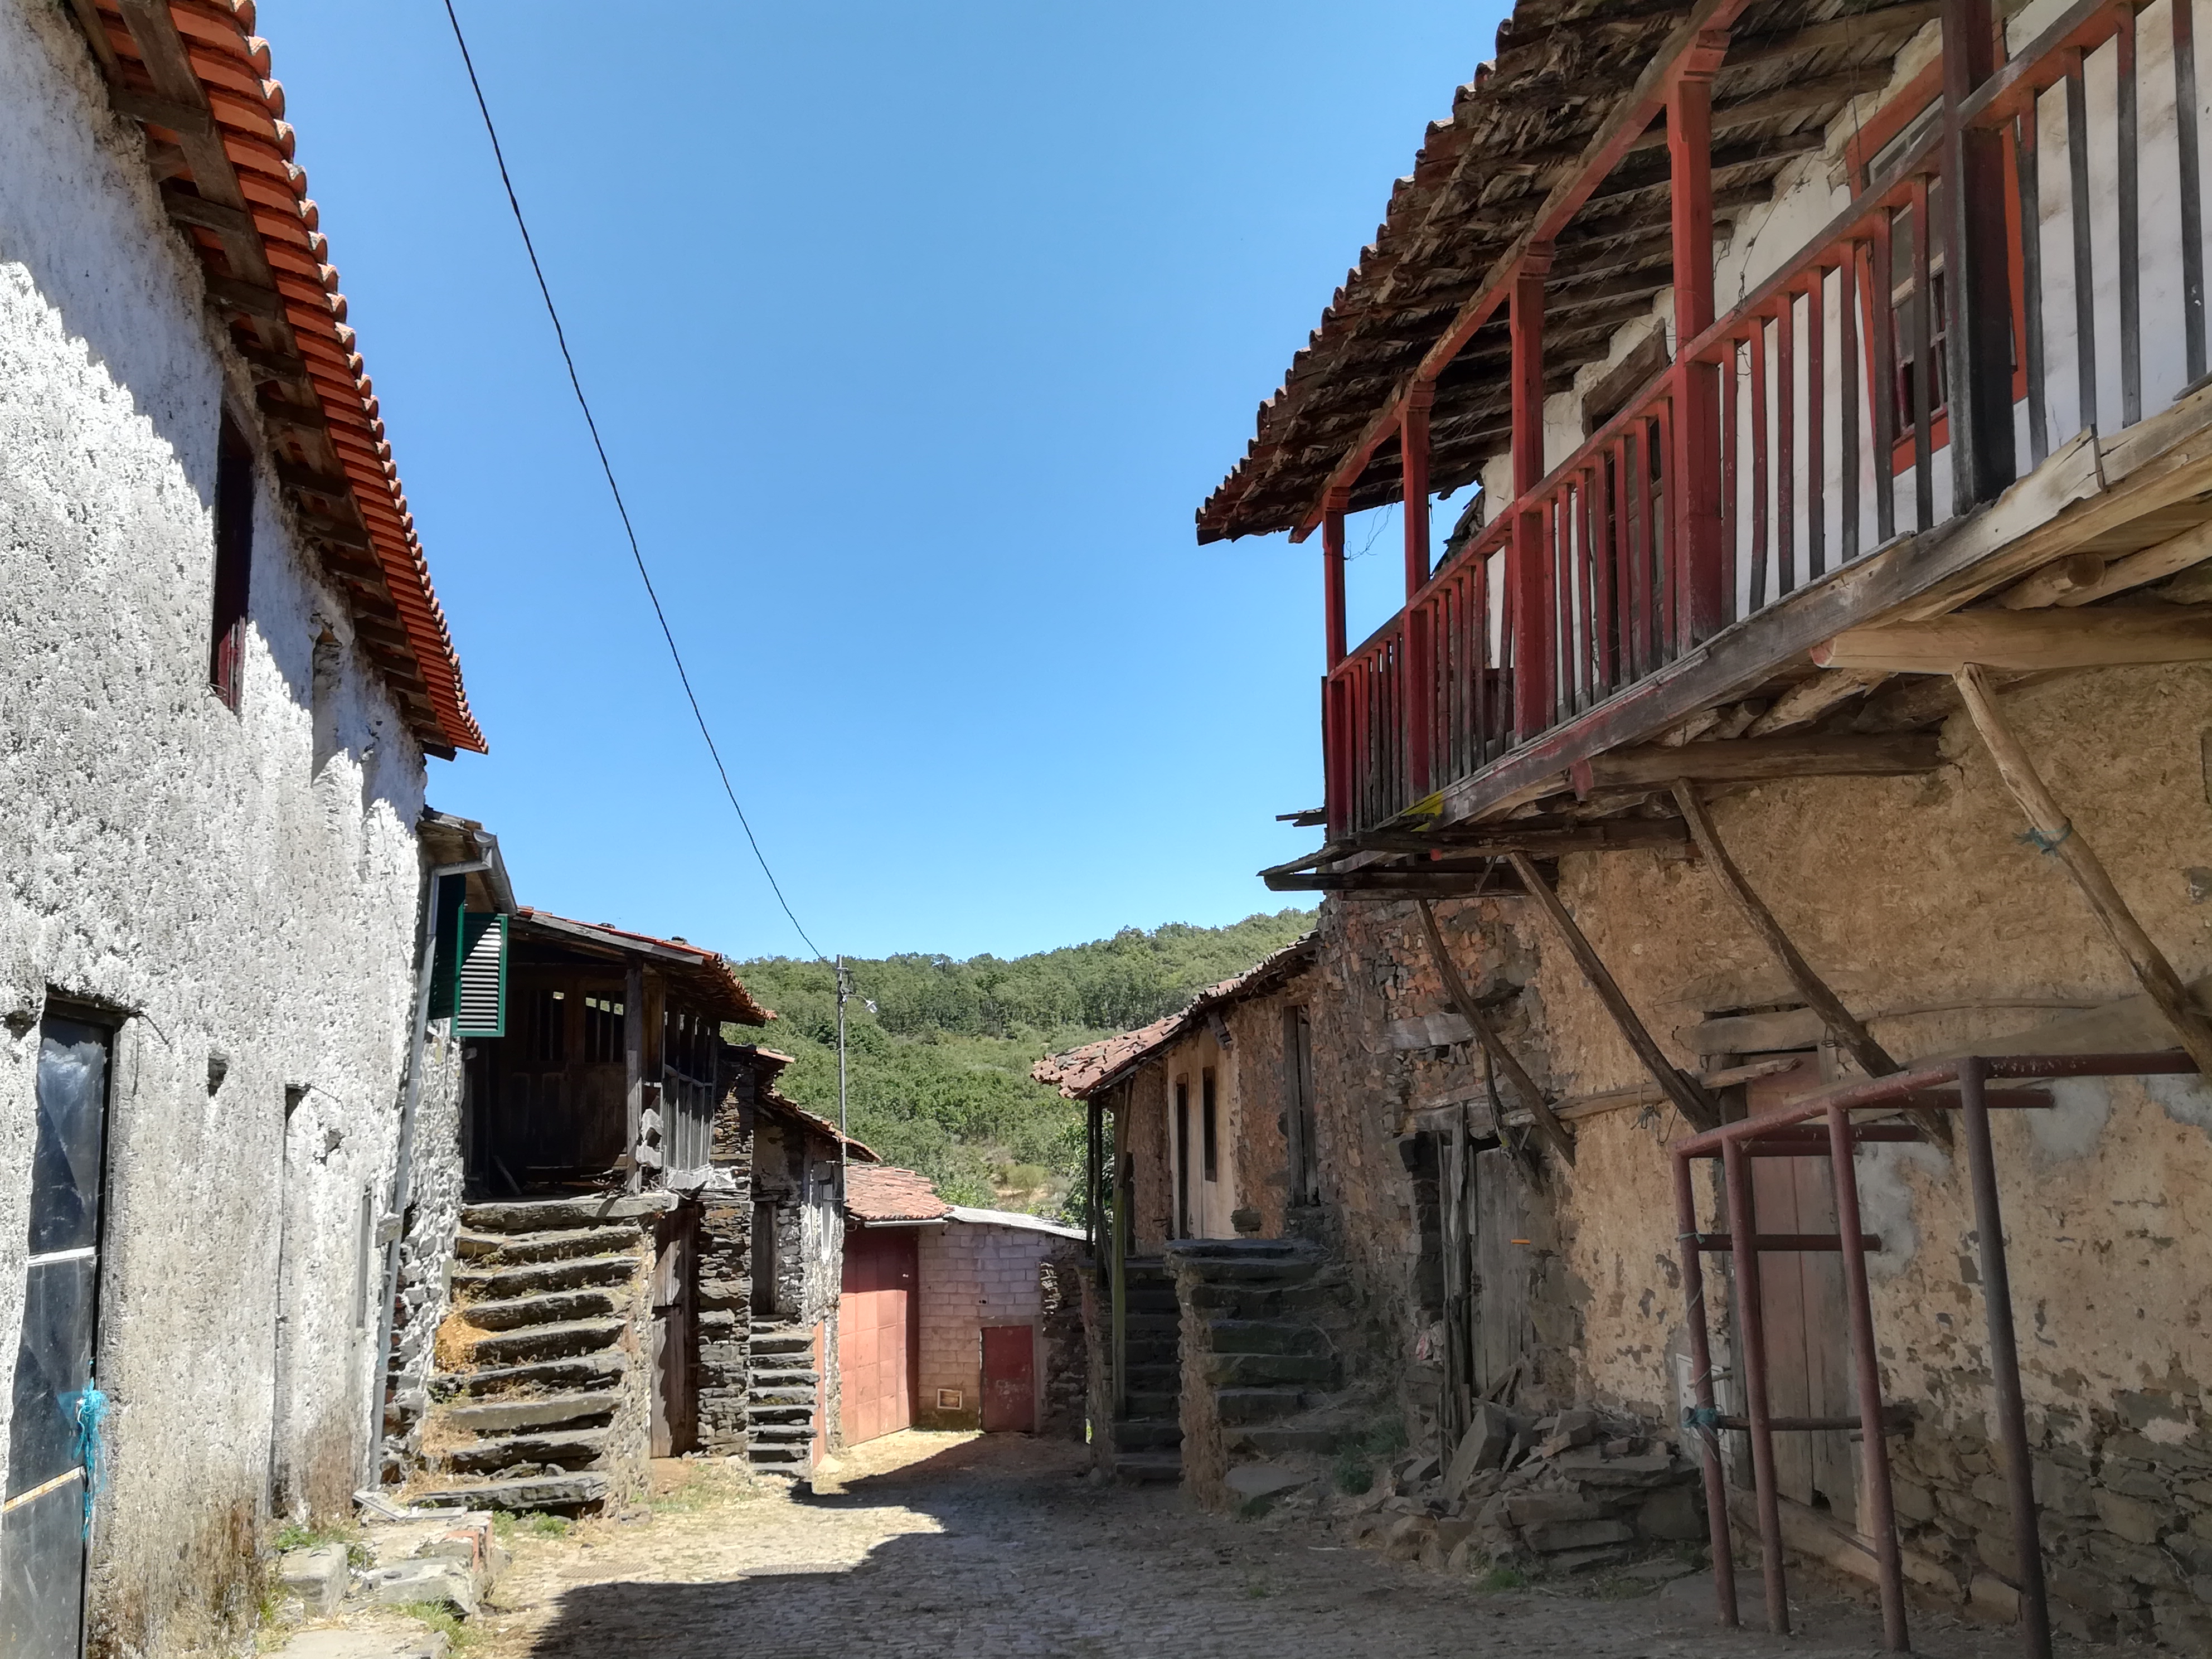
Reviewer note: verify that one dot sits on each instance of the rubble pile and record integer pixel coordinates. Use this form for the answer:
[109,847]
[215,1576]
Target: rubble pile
[1574,1491]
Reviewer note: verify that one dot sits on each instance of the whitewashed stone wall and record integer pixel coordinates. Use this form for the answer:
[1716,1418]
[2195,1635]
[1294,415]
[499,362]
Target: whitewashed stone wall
[186,867]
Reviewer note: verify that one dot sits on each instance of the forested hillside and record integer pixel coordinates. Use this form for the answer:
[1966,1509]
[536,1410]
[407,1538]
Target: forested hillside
[939,1072]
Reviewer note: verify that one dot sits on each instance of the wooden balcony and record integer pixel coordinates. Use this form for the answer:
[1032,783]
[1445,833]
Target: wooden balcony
[1992,359]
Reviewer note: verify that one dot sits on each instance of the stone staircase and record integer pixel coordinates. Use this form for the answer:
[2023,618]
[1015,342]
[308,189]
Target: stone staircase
[781,1396]
[536,1401]
[1148,1435]
[1260,1364]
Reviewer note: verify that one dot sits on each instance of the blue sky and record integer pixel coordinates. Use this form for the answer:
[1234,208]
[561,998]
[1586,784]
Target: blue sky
[917,333]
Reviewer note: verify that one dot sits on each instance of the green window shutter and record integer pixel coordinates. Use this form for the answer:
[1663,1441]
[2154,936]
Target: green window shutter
[445,965]
[480,987]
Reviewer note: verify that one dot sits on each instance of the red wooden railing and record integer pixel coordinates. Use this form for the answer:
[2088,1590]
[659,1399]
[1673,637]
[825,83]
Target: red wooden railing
[1822,399]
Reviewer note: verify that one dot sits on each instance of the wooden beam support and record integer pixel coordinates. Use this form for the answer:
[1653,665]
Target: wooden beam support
[2056,835]
[1848,1030]
[1548,1125]
[2021,640]
[1495,841]
[2084,578]
[1529,601]
[1701,566]
[1757,760]
[1977,272]
[1397,884]
[1698,1109]
[1809,701]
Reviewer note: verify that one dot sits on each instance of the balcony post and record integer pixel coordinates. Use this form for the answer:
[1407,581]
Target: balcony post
[1698,557]
[1420,679]
[1334,777]
[1977,270]
[1530,602]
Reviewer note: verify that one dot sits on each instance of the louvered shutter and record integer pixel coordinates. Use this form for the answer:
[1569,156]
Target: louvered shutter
[480,987]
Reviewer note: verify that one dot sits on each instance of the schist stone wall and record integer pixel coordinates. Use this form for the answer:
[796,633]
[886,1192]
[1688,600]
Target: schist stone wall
[725,1268]
[238,898]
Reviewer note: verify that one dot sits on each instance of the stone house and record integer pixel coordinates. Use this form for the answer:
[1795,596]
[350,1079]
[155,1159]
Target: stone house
[644,1258]
[954,1318]
[225,673]
[1807,712]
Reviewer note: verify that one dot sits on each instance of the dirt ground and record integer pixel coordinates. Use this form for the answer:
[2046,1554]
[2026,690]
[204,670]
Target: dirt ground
[958,1546]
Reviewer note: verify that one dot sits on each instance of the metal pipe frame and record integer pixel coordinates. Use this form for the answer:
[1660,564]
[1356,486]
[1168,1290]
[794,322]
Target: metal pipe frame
[1734,1143]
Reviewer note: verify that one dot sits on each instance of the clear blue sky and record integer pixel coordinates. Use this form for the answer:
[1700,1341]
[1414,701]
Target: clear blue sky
[917,333]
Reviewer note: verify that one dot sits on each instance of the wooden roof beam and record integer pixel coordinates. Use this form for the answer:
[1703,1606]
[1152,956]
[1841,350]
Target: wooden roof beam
[1613,140]
[1756,760]
[2025,639]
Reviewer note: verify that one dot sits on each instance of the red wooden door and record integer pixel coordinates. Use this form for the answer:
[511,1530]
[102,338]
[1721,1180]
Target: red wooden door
[1009,1379]
[876,1333]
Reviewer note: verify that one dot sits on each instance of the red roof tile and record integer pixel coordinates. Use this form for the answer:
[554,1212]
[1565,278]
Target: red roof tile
[886,1192]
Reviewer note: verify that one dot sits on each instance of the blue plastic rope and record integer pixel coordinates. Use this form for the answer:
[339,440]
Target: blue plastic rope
[1706,1418]
[2045,844]
[88,1409]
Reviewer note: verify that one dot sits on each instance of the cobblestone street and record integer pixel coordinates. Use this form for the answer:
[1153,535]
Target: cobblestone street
[957,1547]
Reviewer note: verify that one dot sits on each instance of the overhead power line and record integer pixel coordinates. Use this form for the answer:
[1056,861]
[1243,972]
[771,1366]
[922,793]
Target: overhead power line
[636,553]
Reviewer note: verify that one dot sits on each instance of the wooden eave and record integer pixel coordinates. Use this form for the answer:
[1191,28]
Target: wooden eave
[195,78]
[1518,129]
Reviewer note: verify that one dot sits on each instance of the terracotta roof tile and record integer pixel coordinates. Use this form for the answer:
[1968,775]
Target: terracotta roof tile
[885,1192]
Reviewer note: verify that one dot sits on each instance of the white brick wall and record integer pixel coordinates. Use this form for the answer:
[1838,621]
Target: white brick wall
[972,1275]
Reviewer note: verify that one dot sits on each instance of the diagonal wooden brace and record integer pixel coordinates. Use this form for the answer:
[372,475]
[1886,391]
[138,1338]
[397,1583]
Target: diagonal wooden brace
[1547,1122]
[1699,1109]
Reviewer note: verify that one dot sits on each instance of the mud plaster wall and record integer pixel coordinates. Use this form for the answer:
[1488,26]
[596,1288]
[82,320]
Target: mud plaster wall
[1914,897]
[1257,1098]
[181,863]
[1140,1138]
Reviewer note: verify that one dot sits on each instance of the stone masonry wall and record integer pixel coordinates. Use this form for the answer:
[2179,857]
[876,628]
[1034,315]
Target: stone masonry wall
[426,1275]
[245,916]
[725,1266]
[1062,1352]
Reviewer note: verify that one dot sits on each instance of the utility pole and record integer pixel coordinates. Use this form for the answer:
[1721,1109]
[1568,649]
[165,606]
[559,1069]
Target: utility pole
[844,992]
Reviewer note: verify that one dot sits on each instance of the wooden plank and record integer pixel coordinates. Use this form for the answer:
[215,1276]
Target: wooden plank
[1698,1109]
[2190,159]
[1811,701]
[1754,760]
[2025,639]
[2083,579]
[2056,835]
[2130,251]
[2078,206]
[1554,1131]
[1542,840]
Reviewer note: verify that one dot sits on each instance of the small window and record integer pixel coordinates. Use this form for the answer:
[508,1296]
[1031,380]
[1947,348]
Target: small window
[549,1028]
[1182,1158]
[322,694]
[1208,1125]
[233,560]
[603,1031]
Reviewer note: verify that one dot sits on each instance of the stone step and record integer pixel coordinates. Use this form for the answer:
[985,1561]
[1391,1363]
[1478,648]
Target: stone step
[760,1413]
[557,1494]
[1147,1469]
[534,1215]
[588,1371]
[1146,1403]
[1249,1370]
[547,1411]
[773,1434]
[1156,1378]
[1264,1275]
[1142,1432]
[771,1343]
[508,1283]
[555,1308]
[799,1395]
[571,1451]
[1151,1325]
[1273,1440]
[1264,1336]
[535,1342]
[518,1248]
[1255,1302]
[1256,1405]
[776,1377]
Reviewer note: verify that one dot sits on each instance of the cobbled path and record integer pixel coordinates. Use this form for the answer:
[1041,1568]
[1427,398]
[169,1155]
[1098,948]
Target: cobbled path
[959,1548]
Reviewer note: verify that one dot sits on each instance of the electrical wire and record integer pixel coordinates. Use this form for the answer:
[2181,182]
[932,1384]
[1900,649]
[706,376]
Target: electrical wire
[575,381]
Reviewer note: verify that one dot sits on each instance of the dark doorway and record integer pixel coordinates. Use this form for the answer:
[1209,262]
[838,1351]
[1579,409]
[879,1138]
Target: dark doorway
[1009,1379]
[44,1527]
[764,1262]
[674,1427]
[1183,1158]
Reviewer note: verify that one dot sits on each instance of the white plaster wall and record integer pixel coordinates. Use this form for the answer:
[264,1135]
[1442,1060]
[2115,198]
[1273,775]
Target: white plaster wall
[180,865]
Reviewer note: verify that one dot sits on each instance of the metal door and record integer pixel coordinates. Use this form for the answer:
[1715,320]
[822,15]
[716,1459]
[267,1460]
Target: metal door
[876,1333]
[1010,1379]
[46,1517]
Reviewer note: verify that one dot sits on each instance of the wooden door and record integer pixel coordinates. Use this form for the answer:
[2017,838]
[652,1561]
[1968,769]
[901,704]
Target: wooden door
[1808,1366]
[877,1332]
[674,1420]
[1010,1379]
[1503,1259]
